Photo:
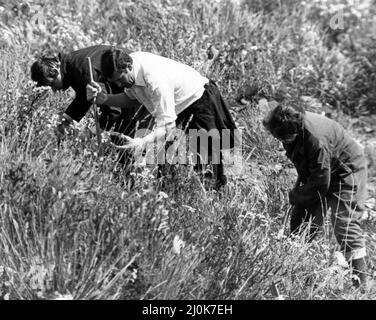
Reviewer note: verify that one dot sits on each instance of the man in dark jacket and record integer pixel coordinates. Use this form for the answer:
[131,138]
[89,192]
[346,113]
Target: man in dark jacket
[332,173]
[72,70]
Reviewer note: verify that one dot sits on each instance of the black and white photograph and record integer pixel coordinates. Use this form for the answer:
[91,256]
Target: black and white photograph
[187,155]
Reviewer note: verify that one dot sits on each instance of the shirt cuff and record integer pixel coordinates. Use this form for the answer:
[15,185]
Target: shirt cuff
[356,254]
[66,117]
[165,121]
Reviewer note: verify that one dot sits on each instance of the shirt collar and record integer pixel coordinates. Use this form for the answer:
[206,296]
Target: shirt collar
[138,73]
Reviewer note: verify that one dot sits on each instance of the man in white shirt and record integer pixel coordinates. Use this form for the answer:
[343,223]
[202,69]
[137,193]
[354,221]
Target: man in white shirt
[174,93]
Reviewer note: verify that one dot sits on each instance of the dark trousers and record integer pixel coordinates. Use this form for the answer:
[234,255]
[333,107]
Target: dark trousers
[345,218]
[210,112]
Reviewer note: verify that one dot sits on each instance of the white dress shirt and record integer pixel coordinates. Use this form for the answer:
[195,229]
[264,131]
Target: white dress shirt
[164,86]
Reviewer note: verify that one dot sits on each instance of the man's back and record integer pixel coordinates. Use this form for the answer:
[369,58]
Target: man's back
[75,68]
[166,87]
[344,150]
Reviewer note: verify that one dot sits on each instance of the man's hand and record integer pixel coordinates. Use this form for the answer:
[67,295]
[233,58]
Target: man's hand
[85,134]
[61,127]
[95,94]
[130,143]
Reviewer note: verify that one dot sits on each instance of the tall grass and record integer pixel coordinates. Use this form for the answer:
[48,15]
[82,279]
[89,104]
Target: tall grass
[71,226]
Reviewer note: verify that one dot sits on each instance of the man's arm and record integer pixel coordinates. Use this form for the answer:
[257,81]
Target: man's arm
[318,181]
[78,108]
[159,134]
[163,100]
[94,90]
[117,100]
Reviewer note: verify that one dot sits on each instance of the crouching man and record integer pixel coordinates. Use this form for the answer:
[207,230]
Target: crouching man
[174,93]
[332,173]
[72,70]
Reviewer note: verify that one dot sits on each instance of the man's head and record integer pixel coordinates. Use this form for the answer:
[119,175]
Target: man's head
[284,123]
[46,72]
[117,67]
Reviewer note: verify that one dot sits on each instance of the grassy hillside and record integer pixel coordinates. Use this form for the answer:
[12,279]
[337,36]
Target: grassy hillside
[69,227]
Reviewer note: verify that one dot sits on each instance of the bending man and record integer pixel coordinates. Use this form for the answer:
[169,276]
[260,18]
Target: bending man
[72,70]
[174,93]
[332,169]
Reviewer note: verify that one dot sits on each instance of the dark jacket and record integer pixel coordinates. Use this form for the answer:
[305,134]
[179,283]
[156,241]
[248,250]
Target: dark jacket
[75,73]
[328,161]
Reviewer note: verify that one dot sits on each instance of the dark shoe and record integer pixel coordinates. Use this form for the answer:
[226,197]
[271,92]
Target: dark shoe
[359,267]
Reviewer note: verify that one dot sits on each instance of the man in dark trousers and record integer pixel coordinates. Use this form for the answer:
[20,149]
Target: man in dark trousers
[175,94]
[332,173]
[72,70]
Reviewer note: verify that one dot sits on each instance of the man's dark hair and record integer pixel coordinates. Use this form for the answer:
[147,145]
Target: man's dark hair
[114,59]
[45,67]
[283,121]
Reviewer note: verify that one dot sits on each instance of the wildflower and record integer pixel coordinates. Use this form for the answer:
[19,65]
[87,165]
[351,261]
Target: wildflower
[244,53]
[40,89]
[162,195]
[178,244]
[189,208]
[58,296]
[340,259]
